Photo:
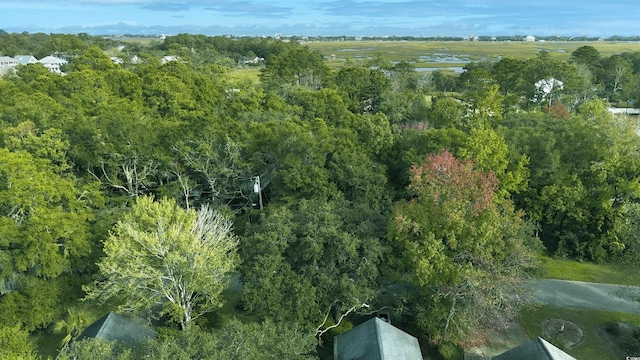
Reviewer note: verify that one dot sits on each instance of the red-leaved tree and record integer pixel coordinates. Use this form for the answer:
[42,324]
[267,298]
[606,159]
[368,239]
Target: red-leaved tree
[462,247]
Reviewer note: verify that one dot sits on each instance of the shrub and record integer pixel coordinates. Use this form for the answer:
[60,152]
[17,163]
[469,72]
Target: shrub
[613,328]
[632,343]
[450,351]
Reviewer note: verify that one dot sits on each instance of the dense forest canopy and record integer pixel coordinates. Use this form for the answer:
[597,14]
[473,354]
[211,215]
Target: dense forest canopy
[366,187]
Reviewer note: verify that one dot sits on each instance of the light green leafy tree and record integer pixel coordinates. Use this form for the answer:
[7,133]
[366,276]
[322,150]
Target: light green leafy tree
[162,254]
[490,152]
[15,344]
[43,218]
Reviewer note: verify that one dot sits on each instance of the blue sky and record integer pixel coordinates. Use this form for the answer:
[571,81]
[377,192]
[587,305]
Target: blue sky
[324,17]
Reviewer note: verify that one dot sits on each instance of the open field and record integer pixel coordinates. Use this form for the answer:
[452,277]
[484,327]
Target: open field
[455,53]
[250,74]
[588,272]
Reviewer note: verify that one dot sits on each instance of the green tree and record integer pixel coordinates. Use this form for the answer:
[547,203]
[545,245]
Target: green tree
[296,66]
[264,340]
[293,154]
[99,349]
[161,254]
[50,144]
[44,218]
[486,106]
[545,68]
[582,172]
[491,153]
[93,58]
[506,72]
[446,112]
[15,344]
[362,88]
[443,81]
[615,74]
[311,258]
[234,341]
[70,326]
[587,55]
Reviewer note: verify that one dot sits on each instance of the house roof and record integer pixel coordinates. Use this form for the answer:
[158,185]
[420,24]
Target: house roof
[535,349]
[52,60]
[376,339]
[26,59]
[117,327]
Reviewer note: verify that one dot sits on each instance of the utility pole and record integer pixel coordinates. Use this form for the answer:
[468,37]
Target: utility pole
[257,189]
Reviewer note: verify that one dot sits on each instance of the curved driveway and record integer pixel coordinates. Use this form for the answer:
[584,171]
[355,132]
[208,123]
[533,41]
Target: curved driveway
[586,295]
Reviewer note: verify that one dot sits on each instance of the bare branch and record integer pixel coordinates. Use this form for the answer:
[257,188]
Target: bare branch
[319,332]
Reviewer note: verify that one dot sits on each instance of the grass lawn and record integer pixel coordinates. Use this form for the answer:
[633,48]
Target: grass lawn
[589,272]
[246,74]
[592,345]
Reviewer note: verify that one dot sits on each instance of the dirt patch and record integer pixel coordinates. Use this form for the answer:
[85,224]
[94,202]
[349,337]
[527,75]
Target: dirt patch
[562,332]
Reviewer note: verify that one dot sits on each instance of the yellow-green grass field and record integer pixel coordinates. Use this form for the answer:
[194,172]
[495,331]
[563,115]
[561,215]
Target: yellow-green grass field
[242,74]
[589,272]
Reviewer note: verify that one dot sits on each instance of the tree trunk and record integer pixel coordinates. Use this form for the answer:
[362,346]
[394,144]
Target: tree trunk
[449,317]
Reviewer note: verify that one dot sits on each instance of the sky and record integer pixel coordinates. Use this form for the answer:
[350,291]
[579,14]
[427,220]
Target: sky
[324,17]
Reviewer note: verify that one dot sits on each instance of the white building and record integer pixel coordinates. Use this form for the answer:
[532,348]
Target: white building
[167,58]
[117,60]
[530,38]
[8,62]
[53,64]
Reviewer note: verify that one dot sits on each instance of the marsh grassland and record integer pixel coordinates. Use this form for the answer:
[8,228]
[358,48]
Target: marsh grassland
[455,53]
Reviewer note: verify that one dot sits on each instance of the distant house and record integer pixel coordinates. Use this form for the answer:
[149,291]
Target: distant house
[254,61]
[118,327]
[8,62]
[25,59]
[117,60]
[376,339]
[530,38]
[53,63]
[535,349]
[624,111]
[167,58]
[9,283]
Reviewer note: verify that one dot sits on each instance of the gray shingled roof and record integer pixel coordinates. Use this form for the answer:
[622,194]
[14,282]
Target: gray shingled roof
[376,339]
[117,327]
[535,349]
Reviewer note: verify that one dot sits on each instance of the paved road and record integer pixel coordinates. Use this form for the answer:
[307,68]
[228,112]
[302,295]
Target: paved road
[587,295]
